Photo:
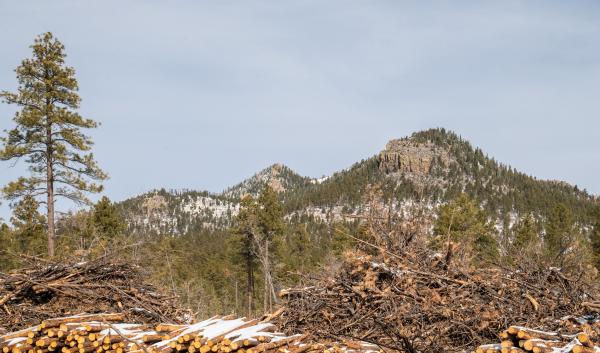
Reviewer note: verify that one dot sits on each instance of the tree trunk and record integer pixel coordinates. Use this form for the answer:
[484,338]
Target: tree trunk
[250,278]
[267,294]
[50,189]
[273,296]
[235,308]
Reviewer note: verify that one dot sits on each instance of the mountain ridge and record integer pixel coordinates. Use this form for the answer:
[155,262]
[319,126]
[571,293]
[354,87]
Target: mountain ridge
[433,165]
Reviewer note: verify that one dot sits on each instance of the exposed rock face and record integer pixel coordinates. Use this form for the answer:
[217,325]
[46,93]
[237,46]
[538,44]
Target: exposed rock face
[154,203]
[273,177]
[404,155]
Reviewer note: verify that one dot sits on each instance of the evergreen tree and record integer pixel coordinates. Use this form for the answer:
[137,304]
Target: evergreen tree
[297,249]
[29,225]
[48,133]
[271,214]
[271,228]
[244,231]
[526,232]
[463,222]
[560,233]
[7,244]
[107,220]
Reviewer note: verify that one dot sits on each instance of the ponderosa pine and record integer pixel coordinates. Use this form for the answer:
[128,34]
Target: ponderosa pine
[48,133]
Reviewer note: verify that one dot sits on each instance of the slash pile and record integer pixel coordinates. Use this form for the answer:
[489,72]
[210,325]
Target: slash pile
[411,303]
[105,333]
[50,290]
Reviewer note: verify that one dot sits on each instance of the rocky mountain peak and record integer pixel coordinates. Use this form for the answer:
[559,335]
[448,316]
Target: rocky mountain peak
[278,176]
[271,176]
[409,155]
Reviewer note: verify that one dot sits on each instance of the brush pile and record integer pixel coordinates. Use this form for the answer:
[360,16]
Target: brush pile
[105,333]
[413,303]
[51,290]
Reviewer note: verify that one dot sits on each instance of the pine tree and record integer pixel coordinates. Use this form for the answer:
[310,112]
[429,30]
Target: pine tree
[560,233]
[271,225]
[6,246]
[29,225]
[48,133]
[464,222]
[526,232]
[246,228]
[108,221]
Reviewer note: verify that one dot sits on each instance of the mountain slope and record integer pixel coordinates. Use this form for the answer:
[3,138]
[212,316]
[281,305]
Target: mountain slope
[278,176]
[436,166]
[161,212]
[432,166]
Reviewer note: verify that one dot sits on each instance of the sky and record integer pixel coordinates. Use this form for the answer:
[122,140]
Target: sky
[202,94]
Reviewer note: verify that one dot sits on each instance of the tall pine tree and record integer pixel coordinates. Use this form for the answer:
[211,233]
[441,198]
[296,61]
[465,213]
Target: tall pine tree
[48,133]
[244,231]
[272,226]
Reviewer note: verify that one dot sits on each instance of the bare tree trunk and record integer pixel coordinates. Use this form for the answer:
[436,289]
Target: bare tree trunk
[50,189]
[250,279]
[267,293]
[235,308]
[273,296]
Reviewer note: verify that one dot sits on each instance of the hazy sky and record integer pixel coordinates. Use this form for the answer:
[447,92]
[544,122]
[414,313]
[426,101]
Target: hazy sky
[201,94]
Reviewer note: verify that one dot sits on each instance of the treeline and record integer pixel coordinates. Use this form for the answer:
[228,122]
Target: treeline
[239,269]
[558,240]
[232,270]
[82,235]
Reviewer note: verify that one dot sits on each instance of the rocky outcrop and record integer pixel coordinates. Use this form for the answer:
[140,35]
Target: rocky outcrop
[278,176]
[154,203]
[407,156]
[273,177]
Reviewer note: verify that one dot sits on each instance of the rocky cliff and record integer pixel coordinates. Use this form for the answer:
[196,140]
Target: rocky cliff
[409,156]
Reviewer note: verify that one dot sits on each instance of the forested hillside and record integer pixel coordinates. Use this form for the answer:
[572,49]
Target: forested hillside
[432,166]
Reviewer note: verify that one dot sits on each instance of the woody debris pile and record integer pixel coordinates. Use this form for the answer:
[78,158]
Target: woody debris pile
[412,302]
[50,290]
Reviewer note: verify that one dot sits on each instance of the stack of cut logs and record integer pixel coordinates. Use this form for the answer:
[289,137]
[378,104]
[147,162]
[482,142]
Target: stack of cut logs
[106,333]
[519,339]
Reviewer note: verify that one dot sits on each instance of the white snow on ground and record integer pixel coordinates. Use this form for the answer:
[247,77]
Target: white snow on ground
[320,180]
[205,204]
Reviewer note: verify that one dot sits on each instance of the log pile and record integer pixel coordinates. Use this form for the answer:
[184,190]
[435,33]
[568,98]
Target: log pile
[50,290]
[106,333]
[576,335]
[412,303]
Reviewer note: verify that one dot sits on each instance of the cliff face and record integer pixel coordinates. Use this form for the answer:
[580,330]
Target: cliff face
[408,156]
